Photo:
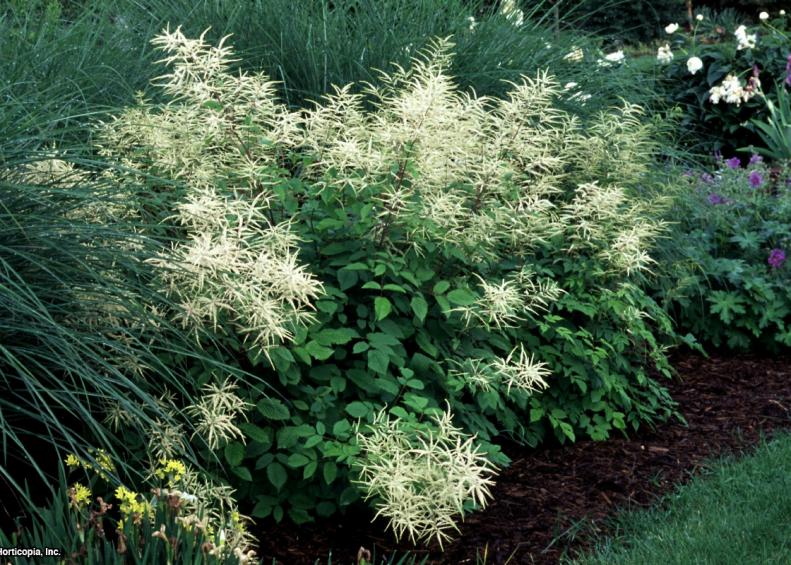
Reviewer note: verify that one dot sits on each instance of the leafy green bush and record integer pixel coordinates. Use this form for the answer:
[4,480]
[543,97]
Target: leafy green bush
[714,74]
[733,234]
[477,253]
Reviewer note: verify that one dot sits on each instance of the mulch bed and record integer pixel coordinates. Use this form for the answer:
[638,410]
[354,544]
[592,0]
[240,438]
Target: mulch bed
[549,496]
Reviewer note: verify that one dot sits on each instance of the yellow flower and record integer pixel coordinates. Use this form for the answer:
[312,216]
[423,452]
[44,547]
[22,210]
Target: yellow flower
[104,461]
[80,495]
[170,469]
[73,461]
[130,503]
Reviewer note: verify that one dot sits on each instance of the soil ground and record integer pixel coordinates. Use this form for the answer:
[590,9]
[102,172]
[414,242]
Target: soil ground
[551,500]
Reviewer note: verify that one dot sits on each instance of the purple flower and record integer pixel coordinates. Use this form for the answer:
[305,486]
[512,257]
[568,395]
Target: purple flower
[733,163]
[788,71]
[776,258]
[718,155]
[755,158]
[715,199]
[707,178]
[756,179]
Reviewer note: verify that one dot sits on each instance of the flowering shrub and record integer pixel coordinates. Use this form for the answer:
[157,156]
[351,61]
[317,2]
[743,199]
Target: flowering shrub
[715,73]
[418,248]
[181,519]
[735,233]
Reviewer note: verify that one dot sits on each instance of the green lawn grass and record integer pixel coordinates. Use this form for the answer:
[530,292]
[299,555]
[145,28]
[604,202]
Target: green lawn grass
[738,511]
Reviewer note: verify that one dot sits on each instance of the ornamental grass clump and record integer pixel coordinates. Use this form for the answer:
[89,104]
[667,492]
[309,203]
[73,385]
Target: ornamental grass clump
[392,250]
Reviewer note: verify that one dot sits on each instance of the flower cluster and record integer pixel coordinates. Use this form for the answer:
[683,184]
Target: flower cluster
[171,471]
[234,263]
[521,372]
[732,91]
[694,64]
[505,303]
[745,40]
[79,496]
[575,55]
[664,54]
[132,505]
[99,464]
[216,413]
[512,13]
[189,504]
[518,371]
[777,257]
[421,478]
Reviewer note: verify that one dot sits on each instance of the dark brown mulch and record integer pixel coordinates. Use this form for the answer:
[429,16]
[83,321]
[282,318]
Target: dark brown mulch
[541,500]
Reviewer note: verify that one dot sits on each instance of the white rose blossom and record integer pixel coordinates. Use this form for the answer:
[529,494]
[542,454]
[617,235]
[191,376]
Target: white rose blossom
[694,64]
[699,17]
[763,16]
[670,29]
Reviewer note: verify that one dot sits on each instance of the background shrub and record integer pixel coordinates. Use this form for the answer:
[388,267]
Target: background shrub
[733,238]
[724,126]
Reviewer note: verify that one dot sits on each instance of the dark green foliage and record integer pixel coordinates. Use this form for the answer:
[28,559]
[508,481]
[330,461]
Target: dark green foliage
[749,8]
[722,126]
[631,21]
